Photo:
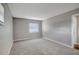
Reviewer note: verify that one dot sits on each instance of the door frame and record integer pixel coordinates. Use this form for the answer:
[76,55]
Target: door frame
[74,29]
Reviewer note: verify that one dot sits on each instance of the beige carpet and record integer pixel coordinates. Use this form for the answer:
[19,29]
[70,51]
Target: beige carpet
[41,47]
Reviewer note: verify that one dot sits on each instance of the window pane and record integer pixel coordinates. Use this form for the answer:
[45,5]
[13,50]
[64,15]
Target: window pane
[33,27]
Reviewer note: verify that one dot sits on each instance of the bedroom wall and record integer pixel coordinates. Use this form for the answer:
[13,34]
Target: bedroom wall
[6,32]
[21,29]
[58,28]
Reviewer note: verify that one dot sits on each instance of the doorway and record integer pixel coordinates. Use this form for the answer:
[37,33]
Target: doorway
[75,31]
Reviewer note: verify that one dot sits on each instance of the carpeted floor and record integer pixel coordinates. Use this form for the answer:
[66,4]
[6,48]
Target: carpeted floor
[41,47]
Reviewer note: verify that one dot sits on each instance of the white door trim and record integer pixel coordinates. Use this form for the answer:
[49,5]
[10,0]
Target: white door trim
[74,29]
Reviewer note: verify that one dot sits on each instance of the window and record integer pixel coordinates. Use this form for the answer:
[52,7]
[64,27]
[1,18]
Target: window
[1,14]
[33,27]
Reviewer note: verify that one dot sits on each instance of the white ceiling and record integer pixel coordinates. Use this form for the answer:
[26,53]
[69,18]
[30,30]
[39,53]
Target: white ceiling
[40,11]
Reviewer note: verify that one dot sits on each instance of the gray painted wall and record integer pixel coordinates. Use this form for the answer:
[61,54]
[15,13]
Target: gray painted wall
[58,28]
[21,29]
[6,33]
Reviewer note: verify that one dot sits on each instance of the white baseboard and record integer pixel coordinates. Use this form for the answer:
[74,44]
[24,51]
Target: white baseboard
[58,42]
[24,39]
[21,39]
[11,47]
